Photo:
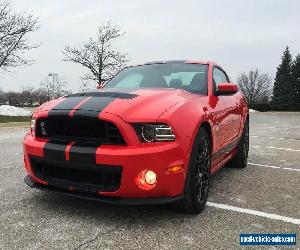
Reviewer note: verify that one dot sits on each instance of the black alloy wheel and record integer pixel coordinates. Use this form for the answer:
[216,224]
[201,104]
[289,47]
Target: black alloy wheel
[197,177]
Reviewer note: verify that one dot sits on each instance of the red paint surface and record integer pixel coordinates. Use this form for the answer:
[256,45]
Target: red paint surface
[68,148]
[185,112]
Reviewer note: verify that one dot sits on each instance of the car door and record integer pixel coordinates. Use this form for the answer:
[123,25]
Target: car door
[230,120]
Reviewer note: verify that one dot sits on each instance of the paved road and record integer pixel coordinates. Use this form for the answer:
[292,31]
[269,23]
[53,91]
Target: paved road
[31,219]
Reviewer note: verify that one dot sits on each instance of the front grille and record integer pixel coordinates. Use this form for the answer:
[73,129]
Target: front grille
[79,129]
[81,178]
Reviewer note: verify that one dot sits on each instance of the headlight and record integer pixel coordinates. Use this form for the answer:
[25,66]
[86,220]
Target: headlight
[148,133]
[32,125]
[154,132]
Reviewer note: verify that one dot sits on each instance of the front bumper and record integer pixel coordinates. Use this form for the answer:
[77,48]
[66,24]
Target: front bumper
[133,159]
[111,200]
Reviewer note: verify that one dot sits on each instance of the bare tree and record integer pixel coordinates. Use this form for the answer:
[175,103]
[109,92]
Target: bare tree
[41,96]
[98,55]
[2,97]
[14,98]
[54,87]
[256,86]
[28,94]
[14,31]
[87,85]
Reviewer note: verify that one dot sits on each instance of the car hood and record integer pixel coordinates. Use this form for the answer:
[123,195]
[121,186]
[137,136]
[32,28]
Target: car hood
[130,105]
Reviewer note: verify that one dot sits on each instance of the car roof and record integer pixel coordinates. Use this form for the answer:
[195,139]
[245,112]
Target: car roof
[178,61]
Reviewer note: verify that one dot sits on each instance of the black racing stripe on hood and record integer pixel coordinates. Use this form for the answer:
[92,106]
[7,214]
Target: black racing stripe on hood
[64,107]
[106,94]
[93,107]
[79,152]
[55,150]
[83,153]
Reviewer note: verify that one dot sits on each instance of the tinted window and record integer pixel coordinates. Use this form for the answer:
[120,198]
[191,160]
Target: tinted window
[190,77]
[132,80]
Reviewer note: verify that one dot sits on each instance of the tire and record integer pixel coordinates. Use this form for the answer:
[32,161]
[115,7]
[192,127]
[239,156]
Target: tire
[198,176]
[241,157]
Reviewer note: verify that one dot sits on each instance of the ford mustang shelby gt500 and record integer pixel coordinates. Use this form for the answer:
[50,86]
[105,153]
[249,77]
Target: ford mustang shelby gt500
[153,134]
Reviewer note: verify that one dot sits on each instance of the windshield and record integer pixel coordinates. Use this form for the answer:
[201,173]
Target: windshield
[190,77]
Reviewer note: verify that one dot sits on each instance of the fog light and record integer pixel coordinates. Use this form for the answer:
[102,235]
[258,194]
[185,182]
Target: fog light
[146,179]
[150,177]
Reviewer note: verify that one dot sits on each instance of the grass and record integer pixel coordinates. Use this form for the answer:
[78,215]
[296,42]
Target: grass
[5,119]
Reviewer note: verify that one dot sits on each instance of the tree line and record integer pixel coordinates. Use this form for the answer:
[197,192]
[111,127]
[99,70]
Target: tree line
[262,93]
[53,87]
[28,96]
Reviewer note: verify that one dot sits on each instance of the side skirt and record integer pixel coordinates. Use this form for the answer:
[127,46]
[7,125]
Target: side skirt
[226,153]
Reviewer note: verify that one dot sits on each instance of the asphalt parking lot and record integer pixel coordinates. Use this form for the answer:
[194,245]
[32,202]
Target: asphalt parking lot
[262,198]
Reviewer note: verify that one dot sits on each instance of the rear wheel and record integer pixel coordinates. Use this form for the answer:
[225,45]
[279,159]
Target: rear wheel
[241,157]
[198,176]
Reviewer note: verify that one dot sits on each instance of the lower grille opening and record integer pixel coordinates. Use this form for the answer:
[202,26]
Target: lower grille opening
[81,178]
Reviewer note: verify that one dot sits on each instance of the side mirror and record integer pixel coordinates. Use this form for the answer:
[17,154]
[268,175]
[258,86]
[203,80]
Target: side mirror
[101,84]
[227,88]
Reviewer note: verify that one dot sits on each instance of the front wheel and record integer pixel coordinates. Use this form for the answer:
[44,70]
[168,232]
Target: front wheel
[198,176]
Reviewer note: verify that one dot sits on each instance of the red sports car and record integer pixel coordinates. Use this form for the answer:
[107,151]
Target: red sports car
[153,134]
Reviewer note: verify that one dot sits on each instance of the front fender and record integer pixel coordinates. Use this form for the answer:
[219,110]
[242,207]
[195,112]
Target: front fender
[185,119]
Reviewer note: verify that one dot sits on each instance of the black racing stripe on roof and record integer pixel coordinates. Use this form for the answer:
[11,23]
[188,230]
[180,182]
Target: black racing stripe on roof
[105,94]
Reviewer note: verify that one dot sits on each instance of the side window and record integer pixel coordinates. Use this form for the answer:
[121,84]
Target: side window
[218,77]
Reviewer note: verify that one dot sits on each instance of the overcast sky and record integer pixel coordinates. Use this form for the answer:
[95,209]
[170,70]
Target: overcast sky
[239,35]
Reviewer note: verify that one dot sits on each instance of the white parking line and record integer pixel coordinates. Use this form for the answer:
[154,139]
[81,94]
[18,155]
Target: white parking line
[270,166]
[272,137]
[11,166]
[254,212]
[6,167]
[288,149]
[271,147]
[272,127]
